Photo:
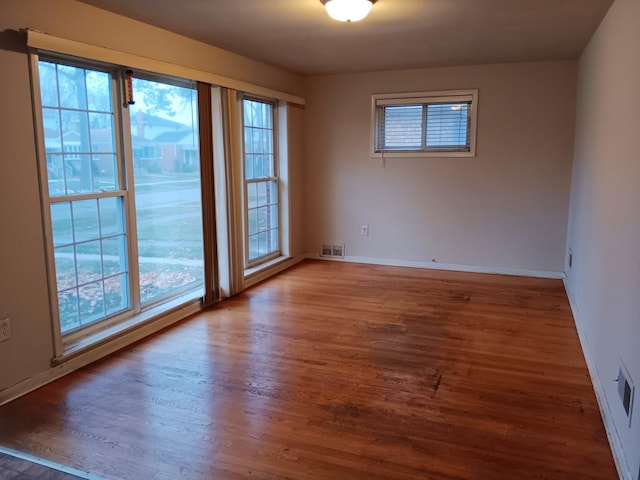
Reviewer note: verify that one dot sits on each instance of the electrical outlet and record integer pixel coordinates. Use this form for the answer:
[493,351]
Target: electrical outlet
[5,329]
[626,390]
[364,230]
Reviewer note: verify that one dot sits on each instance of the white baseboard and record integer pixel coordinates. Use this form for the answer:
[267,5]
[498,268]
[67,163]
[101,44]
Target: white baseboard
[85,358]
[624,470]
[520,272]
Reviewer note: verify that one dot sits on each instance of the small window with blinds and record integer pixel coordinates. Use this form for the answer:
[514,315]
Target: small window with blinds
[424,124]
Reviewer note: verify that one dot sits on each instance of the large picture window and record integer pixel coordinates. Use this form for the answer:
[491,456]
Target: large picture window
[122,189]
[262,227]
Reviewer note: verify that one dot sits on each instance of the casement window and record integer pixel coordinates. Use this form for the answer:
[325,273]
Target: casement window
[261,181]
[121,192]
[424,124]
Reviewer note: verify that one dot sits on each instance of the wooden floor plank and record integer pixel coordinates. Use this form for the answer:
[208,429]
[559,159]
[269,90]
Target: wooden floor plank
[335,370]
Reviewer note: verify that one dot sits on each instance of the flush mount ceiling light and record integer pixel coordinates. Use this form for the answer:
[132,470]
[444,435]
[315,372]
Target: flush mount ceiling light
[348,10]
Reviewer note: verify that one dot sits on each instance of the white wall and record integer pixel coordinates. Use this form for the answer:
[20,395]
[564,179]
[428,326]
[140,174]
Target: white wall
[23,283]
[604,222]
[505,209]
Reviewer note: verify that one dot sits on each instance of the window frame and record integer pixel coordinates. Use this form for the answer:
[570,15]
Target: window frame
[67,342]
[424,99]
[63,339]
[250,264]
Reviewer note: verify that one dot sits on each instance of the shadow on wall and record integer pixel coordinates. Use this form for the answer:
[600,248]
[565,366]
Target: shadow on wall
[13,40]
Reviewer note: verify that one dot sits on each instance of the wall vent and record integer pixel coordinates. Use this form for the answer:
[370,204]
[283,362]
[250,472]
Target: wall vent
[626,390]
[327,251]
[331,250]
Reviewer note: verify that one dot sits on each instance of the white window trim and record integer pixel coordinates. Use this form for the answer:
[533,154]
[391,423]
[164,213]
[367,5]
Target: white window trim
[382,99]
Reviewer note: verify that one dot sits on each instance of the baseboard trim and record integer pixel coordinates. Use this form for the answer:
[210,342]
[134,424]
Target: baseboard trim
[49,464]
[519,272]
[100,351]
[624,471]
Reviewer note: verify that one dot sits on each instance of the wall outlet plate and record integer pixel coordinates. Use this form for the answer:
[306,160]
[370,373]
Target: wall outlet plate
[626,390]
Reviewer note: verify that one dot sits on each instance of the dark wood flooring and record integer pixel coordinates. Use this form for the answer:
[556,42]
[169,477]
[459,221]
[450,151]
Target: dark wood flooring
[337,371]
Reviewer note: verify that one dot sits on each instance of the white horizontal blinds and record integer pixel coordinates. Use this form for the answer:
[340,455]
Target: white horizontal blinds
[437,124]
[400,127]
[448,126]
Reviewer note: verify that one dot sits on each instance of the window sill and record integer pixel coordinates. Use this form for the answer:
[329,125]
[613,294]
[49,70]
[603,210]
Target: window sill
[265,270]
[172,311]
[421,154]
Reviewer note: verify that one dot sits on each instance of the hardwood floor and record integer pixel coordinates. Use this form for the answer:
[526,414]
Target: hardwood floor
[12,468]
[337,371]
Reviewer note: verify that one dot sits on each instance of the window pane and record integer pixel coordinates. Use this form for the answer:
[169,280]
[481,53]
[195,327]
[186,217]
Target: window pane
[274,239]
[253,221]
[116,293]
[65,260]
[253,246]
[267,116]
[48,84]
[61,224]
[252,195]
[258,166]
[447,125]
[401,128]
[249,161]
[72,88]
[99,91]
[89,262]
[273,216]
[85,220]
[68,307]
[262,219]
[269,165]
[263,245]
[52,130]
[167,182]
[91,303]
[105,173]
[113,260]
[111,217]
[256,141]
[272,193]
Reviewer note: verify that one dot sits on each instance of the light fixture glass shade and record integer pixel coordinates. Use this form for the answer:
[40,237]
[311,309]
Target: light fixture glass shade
[348,10]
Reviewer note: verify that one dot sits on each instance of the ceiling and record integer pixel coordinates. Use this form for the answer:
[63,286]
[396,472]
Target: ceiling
[299,36]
